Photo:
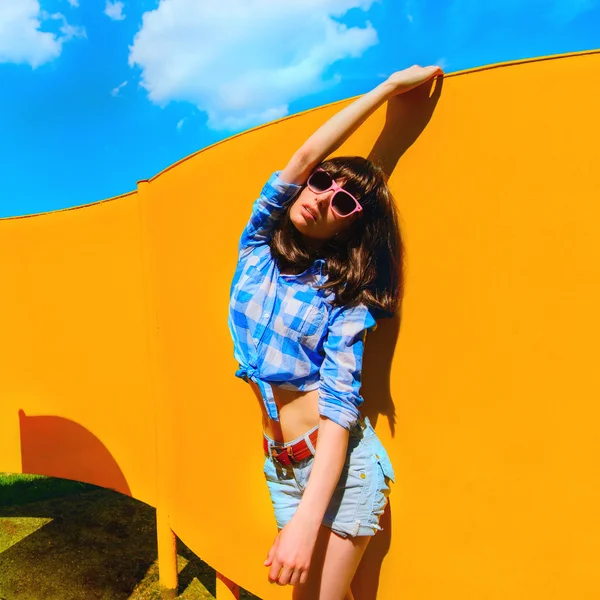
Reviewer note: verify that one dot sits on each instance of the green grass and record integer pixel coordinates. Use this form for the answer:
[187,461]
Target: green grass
[63,540]
[21,489]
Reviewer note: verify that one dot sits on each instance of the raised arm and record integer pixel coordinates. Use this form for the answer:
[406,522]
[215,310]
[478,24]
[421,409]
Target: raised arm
[332,134]
[283,186]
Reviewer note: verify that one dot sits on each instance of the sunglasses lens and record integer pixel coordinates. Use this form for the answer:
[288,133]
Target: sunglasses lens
[343,203]
[320,181]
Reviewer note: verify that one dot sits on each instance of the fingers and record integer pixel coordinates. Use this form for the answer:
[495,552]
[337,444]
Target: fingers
[288,565]
[296,577]
[285,575]
[290,576]
[269,559]
[271,553]
[435,70]
[274,571]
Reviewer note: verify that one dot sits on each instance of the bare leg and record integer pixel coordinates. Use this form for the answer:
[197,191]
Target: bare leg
[333,565]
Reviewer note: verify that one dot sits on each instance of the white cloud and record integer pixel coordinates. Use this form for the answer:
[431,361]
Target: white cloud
[73,3]
[115,91]
[114,10]
[68,31]
[244,61]
[21,40]
[180,123]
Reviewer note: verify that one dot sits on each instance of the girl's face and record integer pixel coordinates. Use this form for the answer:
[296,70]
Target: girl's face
[312,216]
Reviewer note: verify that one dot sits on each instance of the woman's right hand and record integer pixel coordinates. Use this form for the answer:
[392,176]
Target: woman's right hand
[290,555]
[403,81]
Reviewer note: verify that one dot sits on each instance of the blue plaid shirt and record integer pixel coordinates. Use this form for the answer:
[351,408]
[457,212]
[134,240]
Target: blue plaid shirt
[286,332]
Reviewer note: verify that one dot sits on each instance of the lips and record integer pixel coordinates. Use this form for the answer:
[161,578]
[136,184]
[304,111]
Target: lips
[311,212]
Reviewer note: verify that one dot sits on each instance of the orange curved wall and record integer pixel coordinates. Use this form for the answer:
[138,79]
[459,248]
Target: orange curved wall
[114,323]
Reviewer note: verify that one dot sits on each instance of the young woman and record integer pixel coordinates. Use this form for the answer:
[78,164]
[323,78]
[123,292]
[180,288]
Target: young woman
[316,261]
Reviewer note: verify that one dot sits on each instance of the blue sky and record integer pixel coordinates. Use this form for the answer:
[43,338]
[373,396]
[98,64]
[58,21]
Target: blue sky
[97,94]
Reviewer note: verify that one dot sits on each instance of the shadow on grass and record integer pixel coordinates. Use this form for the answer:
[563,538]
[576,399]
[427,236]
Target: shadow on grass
[16,490]
[99,545]
[196,569]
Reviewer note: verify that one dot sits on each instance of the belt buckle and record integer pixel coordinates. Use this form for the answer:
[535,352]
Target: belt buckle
[275,451]
[290,453]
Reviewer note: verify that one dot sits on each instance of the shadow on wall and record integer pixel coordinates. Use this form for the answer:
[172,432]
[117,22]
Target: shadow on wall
[406,117]
[58,447]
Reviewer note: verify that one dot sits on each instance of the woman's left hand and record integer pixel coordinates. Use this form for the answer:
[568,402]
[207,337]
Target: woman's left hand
[290,554]
[403,81]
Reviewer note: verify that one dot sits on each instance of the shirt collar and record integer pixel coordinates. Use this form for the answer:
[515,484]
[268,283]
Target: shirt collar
[316,267]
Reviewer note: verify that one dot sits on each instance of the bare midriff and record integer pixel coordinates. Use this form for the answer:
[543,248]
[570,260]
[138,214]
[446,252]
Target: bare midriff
[298,413]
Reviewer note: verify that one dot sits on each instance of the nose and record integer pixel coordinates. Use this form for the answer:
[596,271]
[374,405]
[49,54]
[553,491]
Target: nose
[323,198]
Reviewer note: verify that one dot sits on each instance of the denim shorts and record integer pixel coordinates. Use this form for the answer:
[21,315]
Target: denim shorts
[362,491]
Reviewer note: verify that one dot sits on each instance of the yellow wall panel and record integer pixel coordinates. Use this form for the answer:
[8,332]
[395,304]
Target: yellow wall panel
[74,349]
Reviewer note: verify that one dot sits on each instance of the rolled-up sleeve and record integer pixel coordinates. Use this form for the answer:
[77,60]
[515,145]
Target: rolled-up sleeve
[267,209]
[341,371]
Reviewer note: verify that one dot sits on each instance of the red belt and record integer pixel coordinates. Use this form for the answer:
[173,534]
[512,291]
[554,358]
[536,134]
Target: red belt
[287,455]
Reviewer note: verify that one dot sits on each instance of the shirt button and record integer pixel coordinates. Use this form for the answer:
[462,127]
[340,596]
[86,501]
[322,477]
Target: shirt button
[265,315]
[363,476]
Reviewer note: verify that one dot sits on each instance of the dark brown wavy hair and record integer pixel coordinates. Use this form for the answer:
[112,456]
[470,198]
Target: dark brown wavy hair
[364,262]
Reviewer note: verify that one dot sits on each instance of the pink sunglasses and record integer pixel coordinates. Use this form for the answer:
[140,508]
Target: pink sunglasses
[342,202]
